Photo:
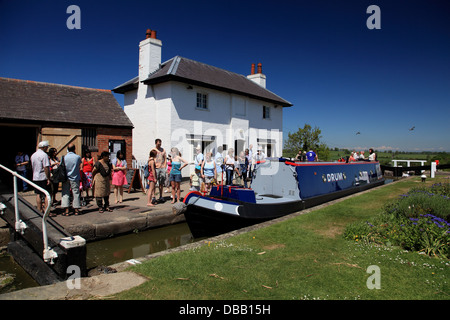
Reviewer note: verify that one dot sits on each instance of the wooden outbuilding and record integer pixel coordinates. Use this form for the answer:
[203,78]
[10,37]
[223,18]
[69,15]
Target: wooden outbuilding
[32,111]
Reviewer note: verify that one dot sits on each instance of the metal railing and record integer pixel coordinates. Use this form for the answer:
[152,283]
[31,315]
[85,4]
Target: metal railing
[20,226]
[140,166]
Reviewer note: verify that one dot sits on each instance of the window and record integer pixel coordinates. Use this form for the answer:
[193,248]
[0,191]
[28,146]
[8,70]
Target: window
[266,112]
[202,101]
[117,145]
[89,138]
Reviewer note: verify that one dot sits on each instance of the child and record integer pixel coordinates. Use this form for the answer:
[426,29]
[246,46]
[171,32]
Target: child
[169,167]
[151,179]
[195,180]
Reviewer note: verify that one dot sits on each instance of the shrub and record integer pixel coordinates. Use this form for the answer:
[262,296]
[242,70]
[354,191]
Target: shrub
[417,201]
[417,221]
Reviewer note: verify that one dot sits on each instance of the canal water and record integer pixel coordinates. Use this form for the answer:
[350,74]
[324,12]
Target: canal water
[110,251]
[136,245]
[22,279]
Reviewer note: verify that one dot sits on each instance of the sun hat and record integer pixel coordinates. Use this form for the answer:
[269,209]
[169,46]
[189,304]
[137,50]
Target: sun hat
[43,144]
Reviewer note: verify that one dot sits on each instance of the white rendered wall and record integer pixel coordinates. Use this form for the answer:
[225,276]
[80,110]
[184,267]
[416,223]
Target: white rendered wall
[265,128]
[149,110]
[168,111]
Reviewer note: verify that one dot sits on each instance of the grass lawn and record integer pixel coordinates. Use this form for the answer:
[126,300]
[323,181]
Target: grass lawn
[305,257]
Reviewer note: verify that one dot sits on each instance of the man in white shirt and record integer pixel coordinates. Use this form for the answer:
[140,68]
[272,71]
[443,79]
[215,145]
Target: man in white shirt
[198,157]
[361,156]
[41,172]
[198,161]
[259,157]
[218,158]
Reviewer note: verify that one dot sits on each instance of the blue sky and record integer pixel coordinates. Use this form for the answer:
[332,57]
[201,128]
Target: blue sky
[319,55]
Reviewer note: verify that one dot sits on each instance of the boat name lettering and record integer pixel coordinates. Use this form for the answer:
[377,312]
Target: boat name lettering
[331,177]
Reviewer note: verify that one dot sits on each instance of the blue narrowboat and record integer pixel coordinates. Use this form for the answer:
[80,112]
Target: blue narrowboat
[279,187]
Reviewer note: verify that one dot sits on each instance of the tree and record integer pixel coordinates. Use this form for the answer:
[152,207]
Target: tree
[306,139]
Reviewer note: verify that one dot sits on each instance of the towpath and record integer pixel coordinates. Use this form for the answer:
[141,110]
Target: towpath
[132,214]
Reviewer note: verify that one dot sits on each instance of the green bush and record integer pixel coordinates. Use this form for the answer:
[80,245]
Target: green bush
[418,221]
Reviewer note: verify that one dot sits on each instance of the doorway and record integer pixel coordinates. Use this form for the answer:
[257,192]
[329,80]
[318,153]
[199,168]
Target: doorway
[22,138]
[238,146]
[115,146]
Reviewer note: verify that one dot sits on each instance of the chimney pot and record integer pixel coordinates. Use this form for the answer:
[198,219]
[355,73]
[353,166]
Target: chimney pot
[148,33]
[153,34]
[259,68]
[253,68]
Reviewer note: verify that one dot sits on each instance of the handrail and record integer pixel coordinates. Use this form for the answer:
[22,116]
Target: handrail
[48,253]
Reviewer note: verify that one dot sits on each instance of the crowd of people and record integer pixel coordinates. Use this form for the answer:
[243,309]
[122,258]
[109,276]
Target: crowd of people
[85,174]
[306,156]
[81,174]
[89,178]
[226,168]
[355,156]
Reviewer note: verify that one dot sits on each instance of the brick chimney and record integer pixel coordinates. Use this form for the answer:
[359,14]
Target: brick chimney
[149,54]
[258,78]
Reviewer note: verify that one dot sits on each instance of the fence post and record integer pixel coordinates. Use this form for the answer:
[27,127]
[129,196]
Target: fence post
[433,169]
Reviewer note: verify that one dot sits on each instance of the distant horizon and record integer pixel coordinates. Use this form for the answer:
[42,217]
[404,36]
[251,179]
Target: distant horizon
[358,149]
[392,151]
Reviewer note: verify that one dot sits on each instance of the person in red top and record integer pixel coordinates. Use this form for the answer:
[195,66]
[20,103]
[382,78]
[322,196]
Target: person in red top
[151,201]
[87,165]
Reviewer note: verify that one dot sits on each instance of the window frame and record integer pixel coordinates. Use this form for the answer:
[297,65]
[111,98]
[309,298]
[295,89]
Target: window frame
[202,102]
[266,112]
[89,138]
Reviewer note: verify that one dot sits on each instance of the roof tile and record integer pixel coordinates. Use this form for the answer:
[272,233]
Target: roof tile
[48,102]
[194,72]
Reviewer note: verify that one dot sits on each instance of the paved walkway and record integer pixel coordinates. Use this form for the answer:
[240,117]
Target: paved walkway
[87,288]
[132,214]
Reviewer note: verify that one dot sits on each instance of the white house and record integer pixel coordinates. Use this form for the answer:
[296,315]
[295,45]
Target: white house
[188,104]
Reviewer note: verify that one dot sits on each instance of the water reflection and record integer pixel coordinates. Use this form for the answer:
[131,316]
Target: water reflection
[22,279]
[136,245]
[110,251]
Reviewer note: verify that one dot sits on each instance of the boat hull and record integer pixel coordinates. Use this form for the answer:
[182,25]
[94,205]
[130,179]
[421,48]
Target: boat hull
[208,222]
[302,186]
